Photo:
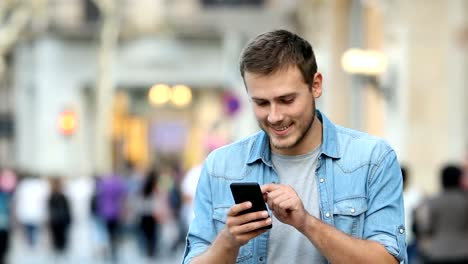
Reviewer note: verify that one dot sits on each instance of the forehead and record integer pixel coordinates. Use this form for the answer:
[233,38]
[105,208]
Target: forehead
[277,84]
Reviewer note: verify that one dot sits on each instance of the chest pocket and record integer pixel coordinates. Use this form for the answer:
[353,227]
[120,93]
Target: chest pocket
[219,216]
[349,215]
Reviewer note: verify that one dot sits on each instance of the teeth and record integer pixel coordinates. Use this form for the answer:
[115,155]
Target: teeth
[282,128]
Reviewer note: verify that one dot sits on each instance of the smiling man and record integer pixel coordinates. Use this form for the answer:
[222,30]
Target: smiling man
[334,194]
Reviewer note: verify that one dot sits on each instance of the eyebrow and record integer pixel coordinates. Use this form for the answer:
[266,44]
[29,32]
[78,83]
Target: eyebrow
[276,98]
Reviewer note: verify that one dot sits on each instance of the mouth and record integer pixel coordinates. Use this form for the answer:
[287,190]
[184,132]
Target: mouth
[282,130]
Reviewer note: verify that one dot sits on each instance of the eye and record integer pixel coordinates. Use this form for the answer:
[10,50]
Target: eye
[261,102]
[288,100]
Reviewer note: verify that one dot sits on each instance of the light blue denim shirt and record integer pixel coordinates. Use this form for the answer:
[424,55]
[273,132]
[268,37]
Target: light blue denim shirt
[360,189]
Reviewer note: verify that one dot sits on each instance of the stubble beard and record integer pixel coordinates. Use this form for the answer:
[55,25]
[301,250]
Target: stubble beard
[296,142]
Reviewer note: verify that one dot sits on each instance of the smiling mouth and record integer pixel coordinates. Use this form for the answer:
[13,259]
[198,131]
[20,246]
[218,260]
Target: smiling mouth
[281,128]
[281,131]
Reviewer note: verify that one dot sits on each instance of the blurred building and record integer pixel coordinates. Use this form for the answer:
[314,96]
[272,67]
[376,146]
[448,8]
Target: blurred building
[191,43]
[417,103]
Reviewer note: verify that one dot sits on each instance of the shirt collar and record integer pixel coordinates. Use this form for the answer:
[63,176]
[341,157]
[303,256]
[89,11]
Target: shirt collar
[330,144]
[261,147]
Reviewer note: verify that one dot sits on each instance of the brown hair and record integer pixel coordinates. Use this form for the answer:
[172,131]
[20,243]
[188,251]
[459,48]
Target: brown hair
[277,50]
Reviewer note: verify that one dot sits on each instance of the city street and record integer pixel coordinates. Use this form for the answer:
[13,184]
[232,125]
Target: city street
[84,250]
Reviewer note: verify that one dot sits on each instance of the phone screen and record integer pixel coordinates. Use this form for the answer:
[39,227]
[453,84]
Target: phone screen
[249,191]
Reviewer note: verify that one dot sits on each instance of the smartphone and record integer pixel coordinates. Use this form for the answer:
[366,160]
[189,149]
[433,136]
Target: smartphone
[249,191]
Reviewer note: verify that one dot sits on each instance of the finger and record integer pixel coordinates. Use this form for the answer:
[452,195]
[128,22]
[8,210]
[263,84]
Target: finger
[239,220]
[278,197]
[289,204]
[254,216]
[269,187]
[274,194]
[252,226]
[280,190]
[283,203]
[245,237]
[237,208]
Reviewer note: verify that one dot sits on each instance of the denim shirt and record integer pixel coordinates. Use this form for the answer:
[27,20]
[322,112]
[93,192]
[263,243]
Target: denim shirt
[359,181]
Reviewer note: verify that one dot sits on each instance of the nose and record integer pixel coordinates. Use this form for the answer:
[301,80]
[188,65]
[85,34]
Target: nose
[275,115]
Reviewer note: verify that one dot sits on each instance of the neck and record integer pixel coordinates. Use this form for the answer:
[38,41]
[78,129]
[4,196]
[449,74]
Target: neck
[316,133]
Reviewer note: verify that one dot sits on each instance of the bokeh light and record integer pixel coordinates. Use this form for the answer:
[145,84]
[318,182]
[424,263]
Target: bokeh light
[181,95]
[159,94]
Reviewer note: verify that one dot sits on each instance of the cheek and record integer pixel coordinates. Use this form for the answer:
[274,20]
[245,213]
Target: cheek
[296,112]
[304,109]
[260,114]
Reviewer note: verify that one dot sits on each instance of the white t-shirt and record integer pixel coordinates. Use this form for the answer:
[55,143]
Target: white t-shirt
[189,187]
[31,201]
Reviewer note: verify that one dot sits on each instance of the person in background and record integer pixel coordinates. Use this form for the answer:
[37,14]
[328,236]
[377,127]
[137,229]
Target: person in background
[7,186]
[412,198]
[146,206]
[189,187]
[175,203]
[133,180]
[59,216]
[335,195]
[464,182]
[31,190]
[442,222]
[111,195]
[189,182]
[100,240]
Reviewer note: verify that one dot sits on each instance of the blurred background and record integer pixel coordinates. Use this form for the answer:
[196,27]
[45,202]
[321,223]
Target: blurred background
[106,107]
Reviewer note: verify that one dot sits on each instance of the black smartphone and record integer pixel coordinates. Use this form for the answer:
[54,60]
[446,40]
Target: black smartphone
[249,191]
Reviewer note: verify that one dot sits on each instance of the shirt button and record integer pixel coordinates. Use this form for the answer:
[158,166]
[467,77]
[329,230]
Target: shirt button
[260,259]
[327,215]
[402,230]
[352,210]
[322,180]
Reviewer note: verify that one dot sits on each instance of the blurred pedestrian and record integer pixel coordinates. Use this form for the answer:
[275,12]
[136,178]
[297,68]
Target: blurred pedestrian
[133,178]
[175,203]
[31,190]
[412,198]
[98,227]
[7,186]
[4,224]
[189,182]
[442,222]
[59,216]
[464,181]
[189,187]
[146,211]
[110,199]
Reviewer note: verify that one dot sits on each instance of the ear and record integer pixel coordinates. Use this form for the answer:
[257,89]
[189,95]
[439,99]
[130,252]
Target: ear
[317,85]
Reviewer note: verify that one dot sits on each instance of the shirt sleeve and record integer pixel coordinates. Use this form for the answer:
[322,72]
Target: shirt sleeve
[202,230]
[385,218]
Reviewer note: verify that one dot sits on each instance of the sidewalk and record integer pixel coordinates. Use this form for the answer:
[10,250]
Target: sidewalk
[81,249]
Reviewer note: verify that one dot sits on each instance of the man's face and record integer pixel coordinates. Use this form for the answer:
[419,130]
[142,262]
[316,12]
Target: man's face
[284,106]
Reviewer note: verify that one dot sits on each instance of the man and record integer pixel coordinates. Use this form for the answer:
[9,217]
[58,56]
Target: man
[334,194]
[441,221]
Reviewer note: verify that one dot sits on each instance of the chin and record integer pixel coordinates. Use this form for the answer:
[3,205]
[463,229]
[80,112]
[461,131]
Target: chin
[283,145]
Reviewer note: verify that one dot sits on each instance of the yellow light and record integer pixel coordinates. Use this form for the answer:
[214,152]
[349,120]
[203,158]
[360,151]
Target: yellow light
[181,95]
[159,94]
[67,122]
[369,62]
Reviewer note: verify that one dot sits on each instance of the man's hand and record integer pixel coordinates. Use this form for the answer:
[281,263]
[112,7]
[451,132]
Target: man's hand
[240,228]
[285,204]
